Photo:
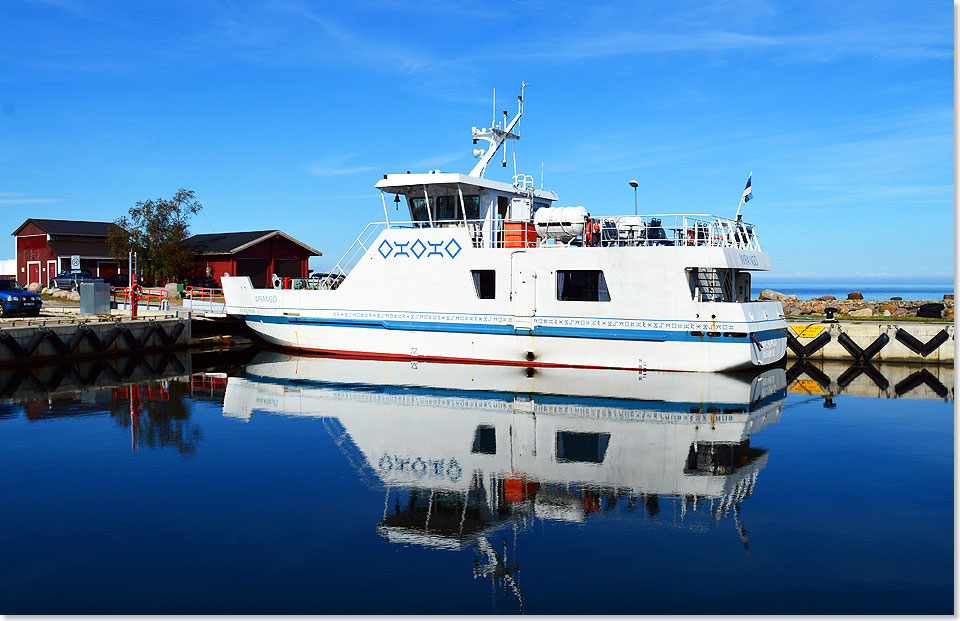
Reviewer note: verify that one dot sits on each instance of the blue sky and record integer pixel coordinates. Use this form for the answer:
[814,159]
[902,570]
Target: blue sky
[284,114]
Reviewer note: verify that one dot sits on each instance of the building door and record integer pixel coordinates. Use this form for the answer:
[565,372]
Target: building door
[292,268]
[256,269]
[523,291]
[107,268]
[33,272]
[51,272]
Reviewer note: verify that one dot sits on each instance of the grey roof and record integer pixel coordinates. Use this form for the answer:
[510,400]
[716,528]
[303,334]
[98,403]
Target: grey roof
[229,243]
[70,227]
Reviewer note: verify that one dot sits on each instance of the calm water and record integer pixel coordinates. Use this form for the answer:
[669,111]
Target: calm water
[311,485]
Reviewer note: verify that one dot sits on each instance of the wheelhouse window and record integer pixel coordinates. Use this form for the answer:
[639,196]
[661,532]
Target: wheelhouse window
[582,286]
[419,211]
[485,282]
[472,207]
[443,208]
[446,208]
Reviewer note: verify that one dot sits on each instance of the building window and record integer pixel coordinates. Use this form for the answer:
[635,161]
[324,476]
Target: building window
[582,286]
[485,282]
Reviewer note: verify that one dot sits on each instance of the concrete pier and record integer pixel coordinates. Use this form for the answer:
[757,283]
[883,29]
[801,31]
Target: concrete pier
[54,338]
[856,341]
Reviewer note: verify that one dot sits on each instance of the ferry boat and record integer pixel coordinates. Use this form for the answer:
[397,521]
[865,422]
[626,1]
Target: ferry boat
[491,272]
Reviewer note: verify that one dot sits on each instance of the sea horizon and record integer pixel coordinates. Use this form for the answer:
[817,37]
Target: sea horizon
[872,288]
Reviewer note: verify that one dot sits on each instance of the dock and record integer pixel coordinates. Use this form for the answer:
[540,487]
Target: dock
[866,341]
[71,335]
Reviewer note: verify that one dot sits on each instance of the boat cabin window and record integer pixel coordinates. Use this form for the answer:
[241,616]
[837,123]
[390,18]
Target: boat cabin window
[418,209]
[712,284]
[444,208]
[472,204]
[589,448]
[485,282]
[582,286]
[485,440]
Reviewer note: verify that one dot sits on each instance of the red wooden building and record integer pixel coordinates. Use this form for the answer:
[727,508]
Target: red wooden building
[257,254]
[44,248]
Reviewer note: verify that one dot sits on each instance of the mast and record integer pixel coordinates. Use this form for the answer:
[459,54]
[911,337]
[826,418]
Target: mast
[495,136]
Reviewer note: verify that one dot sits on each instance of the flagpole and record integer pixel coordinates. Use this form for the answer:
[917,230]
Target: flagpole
[740,204]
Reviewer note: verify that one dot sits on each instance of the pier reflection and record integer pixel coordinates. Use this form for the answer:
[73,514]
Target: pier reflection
[463,454]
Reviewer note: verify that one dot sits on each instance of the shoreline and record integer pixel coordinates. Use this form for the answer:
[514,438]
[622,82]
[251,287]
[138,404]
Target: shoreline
[856,307]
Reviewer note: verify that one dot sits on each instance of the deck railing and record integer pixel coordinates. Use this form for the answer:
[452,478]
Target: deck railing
[639,231]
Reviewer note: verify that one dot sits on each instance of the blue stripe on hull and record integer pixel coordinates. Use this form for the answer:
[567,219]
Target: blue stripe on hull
[616,334]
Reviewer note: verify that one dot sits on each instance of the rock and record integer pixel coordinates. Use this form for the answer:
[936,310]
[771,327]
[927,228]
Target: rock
[73,295]
[855,295]
[45,291]
[787,299]
[947,296]
[862,312]
[172,293]
[826,298]
[896,298]
[58,293]
[807,309]
[887,308]
[948,313]
[885,313]
[768,295]
[792,310]
[844,310]
[901,312]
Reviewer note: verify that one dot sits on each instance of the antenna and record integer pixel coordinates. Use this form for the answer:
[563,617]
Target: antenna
[495,136]
[493,122]
[541,175]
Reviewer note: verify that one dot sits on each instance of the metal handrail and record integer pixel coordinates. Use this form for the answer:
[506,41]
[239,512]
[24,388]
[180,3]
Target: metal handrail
[640,230]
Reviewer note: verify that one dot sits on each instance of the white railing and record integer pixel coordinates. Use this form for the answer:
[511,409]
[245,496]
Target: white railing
[645,230]
[353,254]
[677,230]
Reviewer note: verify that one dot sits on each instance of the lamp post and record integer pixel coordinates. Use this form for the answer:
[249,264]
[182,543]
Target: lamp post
[634,184]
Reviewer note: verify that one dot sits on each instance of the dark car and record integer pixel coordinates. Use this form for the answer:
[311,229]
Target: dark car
[15,299]
[208,283]
[70,279]
[117,280]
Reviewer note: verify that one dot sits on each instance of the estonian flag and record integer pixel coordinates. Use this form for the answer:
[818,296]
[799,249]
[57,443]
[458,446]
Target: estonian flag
[747,191]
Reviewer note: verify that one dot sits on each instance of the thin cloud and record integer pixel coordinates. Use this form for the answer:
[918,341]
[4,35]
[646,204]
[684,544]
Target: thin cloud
[437,160]
[16,198]
[335,166]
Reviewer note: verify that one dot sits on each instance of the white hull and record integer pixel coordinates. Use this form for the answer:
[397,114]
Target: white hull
[520,349]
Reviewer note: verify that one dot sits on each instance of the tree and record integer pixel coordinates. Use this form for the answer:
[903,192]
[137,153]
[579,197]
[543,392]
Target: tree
[155,230]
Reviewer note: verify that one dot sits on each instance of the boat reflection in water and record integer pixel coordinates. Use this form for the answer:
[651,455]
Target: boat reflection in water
[463,451]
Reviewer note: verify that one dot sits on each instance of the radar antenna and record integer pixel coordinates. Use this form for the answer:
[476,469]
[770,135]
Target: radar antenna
[495,136]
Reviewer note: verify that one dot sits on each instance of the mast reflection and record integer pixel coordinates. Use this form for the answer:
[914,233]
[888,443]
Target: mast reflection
[462,452]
